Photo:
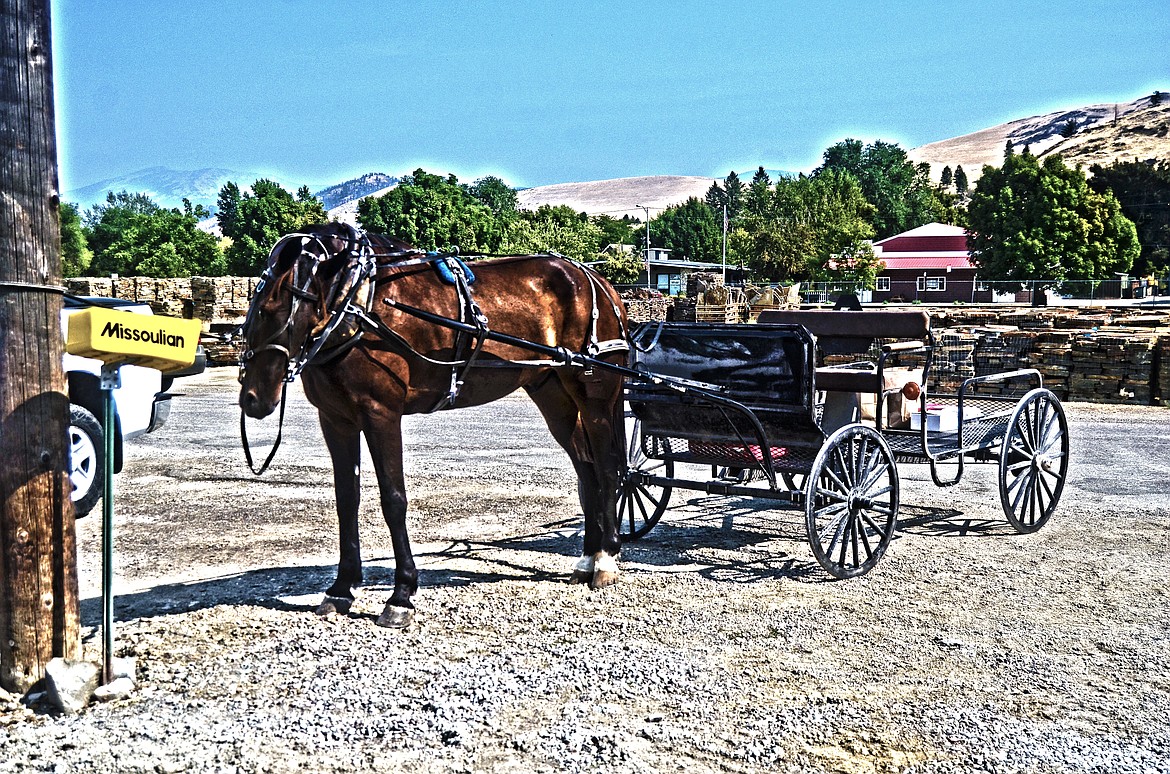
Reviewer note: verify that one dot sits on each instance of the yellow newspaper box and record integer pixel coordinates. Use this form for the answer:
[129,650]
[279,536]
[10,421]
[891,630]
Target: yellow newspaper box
[113,336]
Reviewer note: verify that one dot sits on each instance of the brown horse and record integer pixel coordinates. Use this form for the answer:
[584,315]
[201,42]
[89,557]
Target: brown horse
[357,312]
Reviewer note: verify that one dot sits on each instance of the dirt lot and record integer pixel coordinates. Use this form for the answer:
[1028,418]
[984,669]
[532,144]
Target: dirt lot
[724,648]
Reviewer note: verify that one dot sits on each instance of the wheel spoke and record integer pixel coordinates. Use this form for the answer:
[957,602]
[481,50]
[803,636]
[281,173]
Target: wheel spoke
[877,528]
[840,471]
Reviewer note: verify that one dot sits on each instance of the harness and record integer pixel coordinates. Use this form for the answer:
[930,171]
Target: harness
[347,307]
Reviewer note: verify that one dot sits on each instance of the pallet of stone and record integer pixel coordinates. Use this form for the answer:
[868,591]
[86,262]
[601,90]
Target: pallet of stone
[1113,367]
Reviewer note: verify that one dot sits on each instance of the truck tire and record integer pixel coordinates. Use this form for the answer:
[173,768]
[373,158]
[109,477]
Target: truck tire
[86,453]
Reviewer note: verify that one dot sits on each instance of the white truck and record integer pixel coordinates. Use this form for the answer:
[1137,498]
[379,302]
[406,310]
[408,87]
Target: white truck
[141,405]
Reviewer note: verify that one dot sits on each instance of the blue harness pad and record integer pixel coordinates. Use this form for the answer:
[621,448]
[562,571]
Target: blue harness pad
[443,266]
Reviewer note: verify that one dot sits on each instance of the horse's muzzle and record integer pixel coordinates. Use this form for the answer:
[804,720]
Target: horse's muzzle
[255,406]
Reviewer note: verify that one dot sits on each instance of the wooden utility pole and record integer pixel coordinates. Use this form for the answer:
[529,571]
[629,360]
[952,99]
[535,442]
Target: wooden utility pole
[39,616]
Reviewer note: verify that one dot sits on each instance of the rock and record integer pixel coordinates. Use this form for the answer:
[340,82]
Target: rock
[70,684]
[118,688]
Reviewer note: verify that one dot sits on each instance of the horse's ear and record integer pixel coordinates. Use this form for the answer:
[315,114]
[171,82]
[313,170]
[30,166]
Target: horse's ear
[287,250]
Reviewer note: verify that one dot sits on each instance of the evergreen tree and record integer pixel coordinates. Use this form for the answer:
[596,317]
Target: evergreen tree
[946,178]
[716,197]
[734,189]
[960,180]
[759,193]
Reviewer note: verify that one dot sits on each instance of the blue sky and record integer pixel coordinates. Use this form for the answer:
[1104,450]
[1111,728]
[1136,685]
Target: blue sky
[317,92]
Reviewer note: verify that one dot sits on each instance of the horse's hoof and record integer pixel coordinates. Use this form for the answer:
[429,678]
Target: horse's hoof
[603,578]
[396,617]
[331,605]
[580,577]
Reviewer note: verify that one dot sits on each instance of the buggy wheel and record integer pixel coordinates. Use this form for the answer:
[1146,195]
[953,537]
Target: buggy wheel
[851,501]
[1033,461]
[640,503]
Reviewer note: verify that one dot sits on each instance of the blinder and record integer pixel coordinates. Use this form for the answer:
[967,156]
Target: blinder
[305,267]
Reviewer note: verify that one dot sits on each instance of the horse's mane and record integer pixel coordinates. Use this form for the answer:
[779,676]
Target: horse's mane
[381,243]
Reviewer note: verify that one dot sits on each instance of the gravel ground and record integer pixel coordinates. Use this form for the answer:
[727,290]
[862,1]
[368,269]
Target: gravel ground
[724,647]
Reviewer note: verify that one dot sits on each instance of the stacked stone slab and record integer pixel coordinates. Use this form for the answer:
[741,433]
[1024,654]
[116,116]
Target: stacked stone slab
[221,302]
[1102,355]
[1113,367]
[640,310]
[1162,373]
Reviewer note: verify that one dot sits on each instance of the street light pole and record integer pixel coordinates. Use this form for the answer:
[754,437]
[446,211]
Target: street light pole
[725,244]
[649,279]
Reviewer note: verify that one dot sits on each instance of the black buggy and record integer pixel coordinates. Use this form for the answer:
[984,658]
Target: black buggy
[814,409]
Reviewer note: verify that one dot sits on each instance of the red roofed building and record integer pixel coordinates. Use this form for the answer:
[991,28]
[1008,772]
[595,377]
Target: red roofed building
[929,264]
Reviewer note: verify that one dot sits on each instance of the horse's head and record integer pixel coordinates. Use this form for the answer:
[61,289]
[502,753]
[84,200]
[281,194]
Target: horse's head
[291,305]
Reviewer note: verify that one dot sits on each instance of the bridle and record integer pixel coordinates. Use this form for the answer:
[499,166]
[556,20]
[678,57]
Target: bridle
[339,299]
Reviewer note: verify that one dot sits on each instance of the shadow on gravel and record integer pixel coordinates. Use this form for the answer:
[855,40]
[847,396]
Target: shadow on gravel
[948,522]
[732,540]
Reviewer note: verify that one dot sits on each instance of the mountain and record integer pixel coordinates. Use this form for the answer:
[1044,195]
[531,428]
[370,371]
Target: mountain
[357,188]
[623,196]
[1137,130]
[167,187]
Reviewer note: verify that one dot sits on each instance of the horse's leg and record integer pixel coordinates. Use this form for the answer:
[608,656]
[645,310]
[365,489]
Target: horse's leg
[598,563]
[345,450]
[598,409]
[384,437]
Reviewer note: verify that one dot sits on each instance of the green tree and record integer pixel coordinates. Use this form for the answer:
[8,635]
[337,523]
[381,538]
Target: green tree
[496,195]
[1143,191]
[433,213]
[947,177]
[559,229]
[815,228]
[715,197]
[689,230]
[759,193]
[75,253]
[255,220]
[622,268]
[1042,222]
[132,236]
[735,192]
[615,231]
[104,223]
[899,190]
[960,181]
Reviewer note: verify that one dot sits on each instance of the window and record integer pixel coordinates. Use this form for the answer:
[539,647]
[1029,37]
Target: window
[932,283]
[883,283]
